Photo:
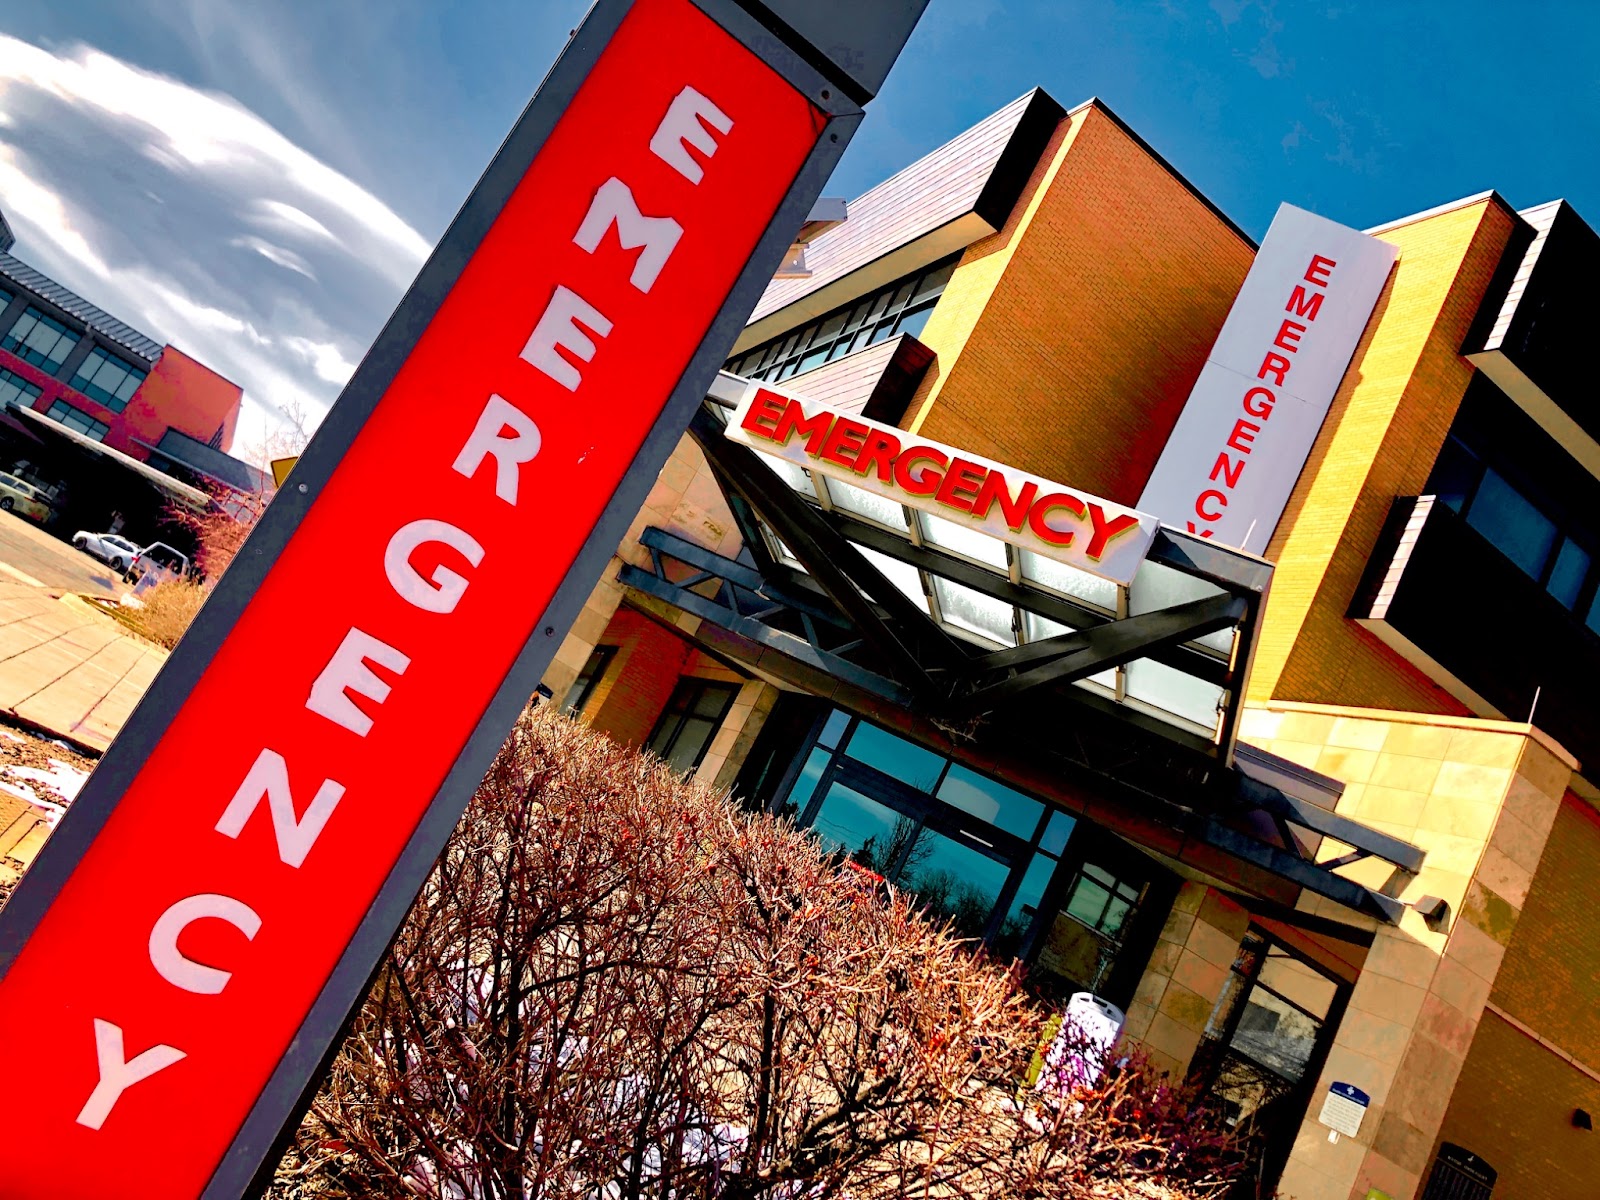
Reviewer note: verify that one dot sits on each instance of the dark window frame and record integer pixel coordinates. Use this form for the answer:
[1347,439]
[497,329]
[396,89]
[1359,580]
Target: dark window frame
[865,321]
[1086,843]
[97,429]
[14,344]
[676,714]
[99,356]
[1457,455]
[24,388]
[594,670]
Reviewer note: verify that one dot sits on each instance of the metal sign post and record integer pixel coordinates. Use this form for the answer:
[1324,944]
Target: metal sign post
[177,967]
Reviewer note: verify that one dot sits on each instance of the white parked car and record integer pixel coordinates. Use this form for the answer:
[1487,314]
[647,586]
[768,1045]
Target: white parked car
[160,562]
[110,548]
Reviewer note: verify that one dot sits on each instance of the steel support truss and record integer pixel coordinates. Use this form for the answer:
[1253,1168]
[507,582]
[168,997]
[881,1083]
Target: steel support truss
[842,618]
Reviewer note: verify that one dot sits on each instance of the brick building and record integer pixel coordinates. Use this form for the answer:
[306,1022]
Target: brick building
[106,418]
[1330,845]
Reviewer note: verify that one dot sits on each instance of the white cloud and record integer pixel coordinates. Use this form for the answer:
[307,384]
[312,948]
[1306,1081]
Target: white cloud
[188,216]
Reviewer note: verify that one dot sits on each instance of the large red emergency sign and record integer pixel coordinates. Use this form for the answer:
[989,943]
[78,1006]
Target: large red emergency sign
[148,1007]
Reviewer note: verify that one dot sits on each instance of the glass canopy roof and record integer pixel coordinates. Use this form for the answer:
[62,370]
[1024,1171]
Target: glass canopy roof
[895,538]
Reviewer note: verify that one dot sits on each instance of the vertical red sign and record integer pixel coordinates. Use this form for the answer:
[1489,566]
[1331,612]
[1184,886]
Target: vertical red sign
[157,994]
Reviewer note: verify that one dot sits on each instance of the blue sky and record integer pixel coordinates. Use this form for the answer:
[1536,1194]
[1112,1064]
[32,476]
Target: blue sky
[256,180]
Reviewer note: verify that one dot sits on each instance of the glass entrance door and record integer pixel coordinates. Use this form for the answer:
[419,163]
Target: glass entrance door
[957,868]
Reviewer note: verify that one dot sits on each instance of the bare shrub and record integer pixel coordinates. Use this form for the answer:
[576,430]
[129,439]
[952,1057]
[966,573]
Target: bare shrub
[617,984]
[168,609]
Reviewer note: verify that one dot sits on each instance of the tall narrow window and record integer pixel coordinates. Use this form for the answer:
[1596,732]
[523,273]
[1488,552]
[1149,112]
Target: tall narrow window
[583,686]
[693,714]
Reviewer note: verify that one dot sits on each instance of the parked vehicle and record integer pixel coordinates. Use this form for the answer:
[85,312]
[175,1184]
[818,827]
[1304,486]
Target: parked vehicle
[23,499]
[112,549]
[160,561]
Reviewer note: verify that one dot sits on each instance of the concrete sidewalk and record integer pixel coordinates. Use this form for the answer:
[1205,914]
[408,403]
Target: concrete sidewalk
[67,668]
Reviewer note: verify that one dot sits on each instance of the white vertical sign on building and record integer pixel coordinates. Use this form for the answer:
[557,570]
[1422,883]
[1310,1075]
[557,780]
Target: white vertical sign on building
[1237,449]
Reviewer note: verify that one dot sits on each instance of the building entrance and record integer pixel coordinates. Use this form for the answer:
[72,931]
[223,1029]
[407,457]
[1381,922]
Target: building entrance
[1080,906]
[1264,1047]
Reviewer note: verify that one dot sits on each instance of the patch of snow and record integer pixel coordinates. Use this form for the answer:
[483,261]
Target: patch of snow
[11,737]
[64,777]
[52,812]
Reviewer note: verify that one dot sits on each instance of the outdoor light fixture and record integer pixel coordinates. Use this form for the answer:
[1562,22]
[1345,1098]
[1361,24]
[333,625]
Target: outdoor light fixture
[1582,1120]
[1433,910]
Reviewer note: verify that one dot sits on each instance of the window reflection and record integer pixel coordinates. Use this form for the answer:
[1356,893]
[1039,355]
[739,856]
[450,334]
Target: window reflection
[991,801]
[953,880]
[895,757]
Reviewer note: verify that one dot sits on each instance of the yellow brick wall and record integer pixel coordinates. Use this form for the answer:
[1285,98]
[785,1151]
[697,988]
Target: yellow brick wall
[1380,440]
[1068,341]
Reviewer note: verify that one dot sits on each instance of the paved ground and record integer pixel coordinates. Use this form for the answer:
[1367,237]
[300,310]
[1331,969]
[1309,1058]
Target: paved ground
[31,556]
[65,667]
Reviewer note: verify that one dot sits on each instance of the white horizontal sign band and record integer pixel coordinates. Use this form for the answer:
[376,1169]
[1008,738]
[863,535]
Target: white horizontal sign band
[1048,518]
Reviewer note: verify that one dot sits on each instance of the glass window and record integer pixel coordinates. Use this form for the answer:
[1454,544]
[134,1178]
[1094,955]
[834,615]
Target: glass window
[1057,832]
[901,307]
[954,880]
[1455,474]
[1157,587]
[990,801]
[895,757]
[40,340]
[14,389]
[805,786]
[963,540]
[1518,530]
[583,686]
[1592,619]
[1069,581]
[1025,904]
[1085,937]
[903,575]
[1175,692]
[693,714]
[108,379]
[972,611]
[872,835]
[833,729]
[867,504]
[75,418]
[1567,576]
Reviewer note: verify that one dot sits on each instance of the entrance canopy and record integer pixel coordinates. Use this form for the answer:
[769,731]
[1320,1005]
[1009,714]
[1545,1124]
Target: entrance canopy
[1133,692]
[50,432]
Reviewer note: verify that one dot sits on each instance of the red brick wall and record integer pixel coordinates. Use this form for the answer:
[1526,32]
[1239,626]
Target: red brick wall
[650,659]
[180,394]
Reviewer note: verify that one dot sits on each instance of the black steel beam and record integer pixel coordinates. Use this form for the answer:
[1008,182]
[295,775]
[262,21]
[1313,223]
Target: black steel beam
[835,564]
[1056,608]
[762,634]
[1297,870]
[1255,794]
[1356,935]
[1111,645]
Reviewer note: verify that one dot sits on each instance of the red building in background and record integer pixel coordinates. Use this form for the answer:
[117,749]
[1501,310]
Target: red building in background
[105,418]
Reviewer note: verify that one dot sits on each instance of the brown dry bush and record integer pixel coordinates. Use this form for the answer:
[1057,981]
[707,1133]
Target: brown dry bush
[617,984]
[168,609]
